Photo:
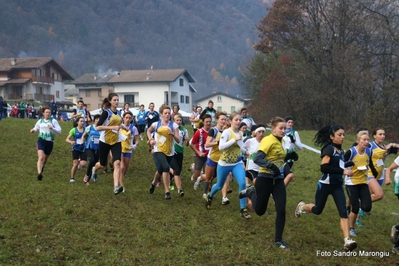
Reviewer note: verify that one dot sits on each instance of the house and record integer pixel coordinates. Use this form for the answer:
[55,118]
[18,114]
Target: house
[93,88]
[161,86]
[38,79]
[223,102]
[71,93]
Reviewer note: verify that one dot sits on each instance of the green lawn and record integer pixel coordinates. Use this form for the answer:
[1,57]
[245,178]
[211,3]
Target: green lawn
[54,222]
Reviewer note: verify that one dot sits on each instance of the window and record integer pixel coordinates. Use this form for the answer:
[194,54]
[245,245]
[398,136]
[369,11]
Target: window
[181,82]
[181,98]
[129,99]
[219,108]
[57,94]
[219,99]
[87,93]
[187,99]
[233,109]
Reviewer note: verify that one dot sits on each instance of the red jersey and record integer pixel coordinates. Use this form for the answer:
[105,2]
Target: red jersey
[199,140]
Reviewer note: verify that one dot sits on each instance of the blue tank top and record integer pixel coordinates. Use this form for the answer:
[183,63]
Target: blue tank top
[93,139]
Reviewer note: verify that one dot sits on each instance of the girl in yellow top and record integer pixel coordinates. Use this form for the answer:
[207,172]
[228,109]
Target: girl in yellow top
[130,141]
[380,153]
[109,125]
[270,180]
[231,145]
[166,132]
[359,158]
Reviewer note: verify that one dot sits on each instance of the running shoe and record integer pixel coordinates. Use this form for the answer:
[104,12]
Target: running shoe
[208,202]
[180,192]
[282,245]
[350,244]
[93,174]
[225,201]
[168,196]
[229,190]
[205,196]
[298,209]
[246,192]
[152,188]
[171,187]
[39,177]
[71,180]
[359,223]
[117,190]
[361,212]
[244,213]
[196,185]
[395,250]
[159,184]
[353,232]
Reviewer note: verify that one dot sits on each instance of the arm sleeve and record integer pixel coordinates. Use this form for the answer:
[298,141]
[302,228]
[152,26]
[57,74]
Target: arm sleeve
[37,127]
[56,127]
[328,169]
[372,168]
[103,117]
[298,142]
[260,159]
[72,132]
[223,143]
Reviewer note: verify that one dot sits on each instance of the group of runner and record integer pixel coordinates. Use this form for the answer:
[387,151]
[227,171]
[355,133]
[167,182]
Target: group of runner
[220,144]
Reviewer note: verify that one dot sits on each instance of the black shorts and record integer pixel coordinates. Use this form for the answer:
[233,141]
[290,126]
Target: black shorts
[76,155]
[141,128]
[251,174]
[45,146]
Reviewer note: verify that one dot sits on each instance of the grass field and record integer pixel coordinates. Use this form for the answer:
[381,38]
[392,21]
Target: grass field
[54,222]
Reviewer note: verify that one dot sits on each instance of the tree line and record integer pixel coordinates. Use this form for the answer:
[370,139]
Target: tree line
[327,62]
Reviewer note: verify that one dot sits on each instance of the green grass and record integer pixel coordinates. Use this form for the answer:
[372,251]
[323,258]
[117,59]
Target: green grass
[54,222]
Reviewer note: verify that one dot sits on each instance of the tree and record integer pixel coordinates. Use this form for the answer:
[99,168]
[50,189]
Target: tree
[339,58]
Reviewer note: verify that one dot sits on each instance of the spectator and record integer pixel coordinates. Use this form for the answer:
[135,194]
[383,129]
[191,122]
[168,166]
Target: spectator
[54,109]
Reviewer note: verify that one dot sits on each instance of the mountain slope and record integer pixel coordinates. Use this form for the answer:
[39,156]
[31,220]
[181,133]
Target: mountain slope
[101,35]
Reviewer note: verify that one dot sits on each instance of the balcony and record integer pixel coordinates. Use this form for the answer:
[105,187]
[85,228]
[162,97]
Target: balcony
[40,97]
[45,80]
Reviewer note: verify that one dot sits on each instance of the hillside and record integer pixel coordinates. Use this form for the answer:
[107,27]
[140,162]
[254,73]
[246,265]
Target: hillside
[212,39]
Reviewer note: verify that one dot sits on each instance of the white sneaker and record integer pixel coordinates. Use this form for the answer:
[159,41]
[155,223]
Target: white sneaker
[192,177]
[298,209]
[72,180]
[196,185]
[350,244]
[205,196]
[225,201]
[79,166]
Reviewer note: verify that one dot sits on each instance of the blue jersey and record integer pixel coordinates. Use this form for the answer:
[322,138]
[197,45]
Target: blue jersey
[93,139]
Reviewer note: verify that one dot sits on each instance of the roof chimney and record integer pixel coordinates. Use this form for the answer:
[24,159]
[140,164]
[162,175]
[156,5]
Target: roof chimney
[95,77]
[148,76]
[13,61]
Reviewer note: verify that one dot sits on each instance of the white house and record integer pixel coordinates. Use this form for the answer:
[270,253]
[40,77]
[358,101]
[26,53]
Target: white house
[223,102]
[38,79]
[169,86]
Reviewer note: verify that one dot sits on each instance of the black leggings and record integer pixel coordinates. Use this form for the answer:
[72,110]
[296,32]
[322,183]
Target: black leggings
[322,192]
[362,193]
[92,156]
[264,187]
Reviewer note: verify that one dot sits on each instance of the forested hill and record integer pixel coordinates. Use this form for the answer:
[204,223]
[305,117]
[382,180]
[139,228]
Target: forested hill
[210,38]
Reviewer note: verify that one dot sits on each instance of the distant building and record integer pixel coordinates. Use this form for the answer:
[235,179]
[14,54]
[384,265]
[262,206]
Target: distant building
[92,88]
[223,102]
[71,93]
[33,79]
[169,86]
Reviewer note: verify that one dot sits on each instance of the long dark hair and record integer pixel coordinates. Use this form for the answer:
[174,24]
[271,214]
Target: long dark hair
[107,101]
[322,136]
